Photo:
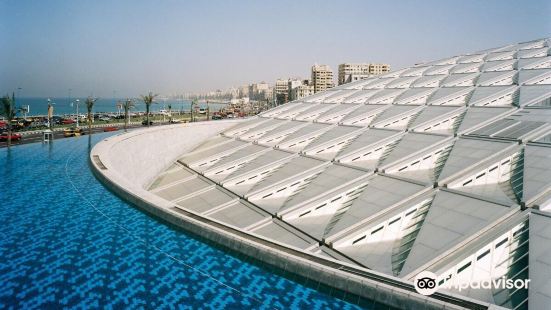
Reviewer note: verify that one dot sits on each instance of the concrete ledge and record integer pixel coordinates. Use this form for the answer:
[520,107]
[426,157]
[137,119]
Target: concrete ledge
[128,162]
[140,155]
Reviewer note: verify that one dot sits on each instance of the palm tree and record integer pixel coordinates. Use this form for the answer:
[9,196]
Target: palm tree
[9,112]
[148,100]
[89,105]
[170,113]
[127,105]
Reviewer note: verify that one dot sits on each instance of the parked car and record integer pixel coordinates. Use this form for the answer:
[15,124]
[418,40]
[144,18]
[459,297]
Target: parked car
[14,136]
[73,132]
[215,117]
[110,128]
[104,118]
[36,124]
[68,121]
[144,122]
[57,119]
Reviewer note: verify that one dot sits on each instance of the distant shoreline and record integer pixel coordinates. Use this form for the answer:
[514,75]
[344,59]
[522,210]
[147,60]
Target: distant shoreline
[62,106]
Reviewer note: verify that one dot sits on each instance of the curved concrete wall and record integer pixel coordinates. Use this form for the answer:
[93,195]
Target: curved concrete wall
[142,154]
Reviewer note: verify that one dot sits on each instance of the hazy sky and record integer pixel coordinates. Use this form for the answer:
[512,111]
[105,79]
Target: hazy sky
[96,47]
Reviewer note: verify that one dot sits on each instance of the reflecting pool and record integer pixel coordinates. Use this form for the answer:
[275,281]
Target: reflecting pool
[66,241]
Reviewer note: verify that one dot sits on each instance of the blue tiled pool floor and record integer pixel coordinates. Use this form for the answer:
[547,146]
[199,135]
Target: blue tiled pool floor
[65,241]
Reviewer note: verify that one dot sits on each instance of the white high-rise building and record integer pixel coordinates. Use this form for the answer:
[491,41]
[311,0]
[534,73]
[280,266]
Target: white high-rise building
[351,72]
[322,77]
[260,91]
[301,91]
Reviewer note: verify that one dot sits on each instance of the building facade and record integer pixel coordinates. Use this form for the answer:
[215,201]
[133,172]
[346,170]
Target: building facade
[322,78]
[301,91]
[350,72]
[243,91]
[260,91]
[282,91]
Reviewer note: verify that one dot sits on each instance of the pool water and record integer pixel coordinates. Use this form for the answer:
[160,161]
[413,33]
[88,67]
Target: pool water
[66,241]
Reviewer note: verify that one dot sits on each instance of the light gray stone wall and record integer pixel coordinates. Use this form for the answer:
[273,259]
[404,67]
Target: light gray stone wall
[142,154]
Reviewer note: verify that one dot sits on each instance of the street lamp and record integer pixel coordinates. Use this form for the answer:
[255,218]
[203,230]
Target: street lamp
[78,116]
[50,112]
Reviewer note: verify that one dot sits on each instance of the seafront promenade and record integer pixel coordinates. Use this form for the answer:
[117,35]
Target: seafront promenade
[33,136]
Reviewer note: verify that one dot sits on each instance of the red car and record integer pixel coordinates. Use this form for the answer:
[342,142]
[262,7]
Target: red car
[68,121]
[110,128]
[14,136]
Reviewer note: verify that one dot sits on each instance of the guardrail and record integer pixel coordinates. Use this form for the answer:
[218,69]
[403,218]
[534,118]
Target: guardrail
[56,129]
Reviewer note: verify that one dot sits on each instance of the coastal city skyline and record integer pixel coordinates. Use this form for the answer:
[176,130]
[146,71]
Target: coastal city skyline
[130,52]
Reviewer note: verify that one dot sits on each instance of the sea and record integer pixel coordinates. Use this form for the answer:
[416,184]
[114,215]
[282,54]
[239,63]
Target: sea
[64,106]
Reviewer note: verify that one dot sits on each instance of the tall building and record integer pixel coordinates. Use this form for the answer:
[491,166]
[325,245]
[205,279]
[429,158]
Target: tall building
[260,91]
[322,77]
[293,83]
[379,68]
[244,91]
[282,90]
[349,72]
[282,86]
[301,91]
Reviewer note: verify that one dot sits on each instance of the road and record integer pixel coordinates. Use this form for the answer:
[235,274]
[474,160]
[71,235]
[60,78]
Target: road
[37,137]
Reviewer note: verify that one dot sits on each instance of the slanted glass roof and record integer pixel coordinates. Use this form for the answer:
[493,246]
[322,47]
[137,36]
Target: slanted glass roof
[411,170]
[410,144]
[415,96]
[275,135]
[479,116]
[499,65]
[468,152]
[363,115]
[535,63]
[207,201]
[451,218]
[381,193]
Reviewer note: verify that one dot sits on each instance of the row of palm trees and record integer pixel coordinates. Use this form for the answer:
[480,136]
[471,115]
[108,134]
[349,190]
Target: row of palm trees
[127,105]
[9,111]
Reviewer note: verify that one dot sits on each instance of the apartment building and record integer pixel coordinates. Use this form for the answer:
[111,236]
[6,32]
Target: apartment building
[301,91]
[350,72]
[322,78]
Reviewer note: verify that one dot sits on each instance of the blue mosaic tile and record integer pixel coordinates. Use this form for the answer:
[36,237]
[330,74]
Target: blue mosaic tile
[66,241]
